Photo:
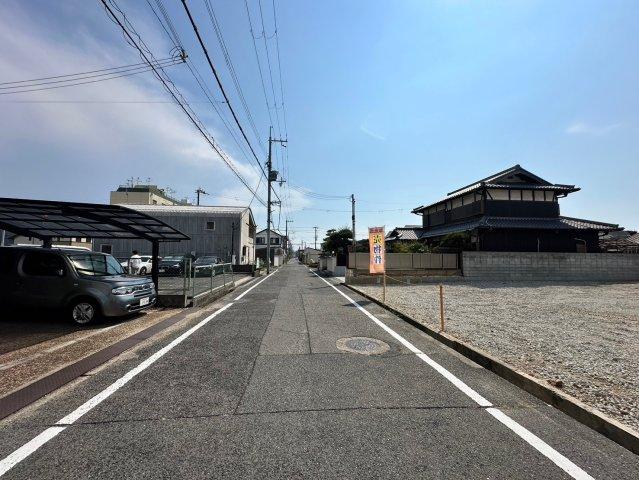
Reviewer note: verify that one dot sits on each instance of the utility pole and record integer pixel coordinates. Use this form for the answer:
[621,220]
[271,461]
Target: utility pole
[272,177]
[353,218]
[287,242]
[315,237]
[198,191]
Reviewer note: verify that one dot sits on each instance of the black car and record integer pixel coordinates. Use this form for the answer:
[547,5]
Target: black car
[172,265]
[206,265]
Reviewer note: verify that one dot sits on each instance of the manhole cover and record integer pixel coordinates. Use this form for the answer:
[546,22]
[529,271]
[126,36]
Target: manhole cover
[363,345]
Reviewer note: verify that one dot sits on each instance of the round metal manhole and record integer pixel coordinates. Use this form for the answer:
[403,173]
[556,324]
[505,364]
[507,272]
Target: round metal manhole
[363,345]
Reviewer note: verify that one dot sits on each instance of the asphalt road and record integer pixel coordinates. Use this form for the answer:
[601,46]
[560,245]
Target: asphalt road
[257,387]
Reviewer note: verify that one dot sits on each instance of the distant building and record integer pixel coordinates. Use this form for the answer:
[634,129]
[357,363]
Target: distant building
[226,232]
[309,255]
[142,195]
[14,239]
[512,210]
[279,244]
[407,234]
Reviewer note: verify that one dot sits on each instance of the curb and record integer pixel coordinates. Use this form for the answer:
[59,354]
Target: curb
[609,427]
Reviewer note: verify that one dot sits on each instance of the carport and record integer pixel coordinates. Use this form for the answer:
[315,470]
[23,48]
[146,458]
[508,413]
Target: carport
[47,220]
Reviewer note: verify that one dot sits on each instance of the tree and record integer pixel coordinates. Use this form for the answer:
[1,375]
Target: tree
[404,247]
[337,241]
[454,242]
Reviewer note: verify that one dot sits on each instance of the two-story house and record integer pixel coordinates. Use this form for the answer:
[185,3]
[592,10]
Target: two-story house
[279,245]
[512,210]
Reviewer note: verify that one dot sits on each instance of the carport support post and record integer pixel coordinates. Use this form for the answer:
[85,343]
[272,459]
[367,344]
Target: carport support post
[155,266]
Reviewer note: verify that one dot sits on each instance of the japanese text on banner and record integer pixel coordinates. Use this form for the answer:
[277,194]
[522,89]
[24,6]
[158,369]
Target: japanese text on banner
[377,247]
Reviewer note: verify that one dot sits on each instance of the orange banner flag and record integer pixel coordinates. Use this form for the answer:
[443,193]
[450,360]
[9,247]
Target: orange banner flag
[377,245]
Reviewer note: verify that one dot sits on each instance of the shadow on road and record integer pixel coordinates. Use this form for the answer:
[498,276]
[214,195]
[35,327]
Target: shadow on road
[20,329]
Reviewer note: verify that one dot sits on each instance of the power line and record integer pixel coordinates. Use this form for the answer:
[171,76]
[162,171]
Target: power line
[257,58]
[219,82]
[72,83]
[270,72]
[83,73]
[190,114]
[231,67]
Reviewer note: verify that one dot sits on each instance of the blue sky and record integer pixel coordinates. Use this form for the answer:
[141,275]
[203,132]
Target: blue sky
[396,102]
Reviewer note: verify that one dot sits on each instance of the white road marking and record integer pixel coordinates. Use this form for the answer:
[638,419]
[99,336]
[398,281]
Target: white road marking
[542,447]
[249,289]
[28,448]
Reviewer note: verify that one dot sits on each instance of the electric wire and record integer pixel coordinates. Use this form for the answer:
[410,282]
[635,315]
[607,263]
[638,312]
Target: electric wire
[189,112]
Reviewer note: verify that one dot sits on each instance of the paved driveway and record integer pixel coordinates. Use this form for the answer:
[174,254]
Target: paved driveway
[258,387]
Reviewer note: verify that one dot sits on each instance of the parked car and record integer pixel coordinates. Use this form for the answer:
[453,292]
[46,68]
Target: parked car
[172,265]
[205,264]
[85,284]
[146,263]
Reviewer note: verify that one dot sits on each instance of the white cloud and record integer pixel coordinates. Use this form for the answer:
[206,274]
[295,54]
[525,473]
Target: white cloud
[582,128]
[81,150]
[370,133]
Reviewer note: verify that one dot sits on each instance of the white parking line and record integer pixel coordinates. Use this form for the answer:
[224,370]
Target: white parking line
[20,361]
[23,452]
[28,448]
[542,447]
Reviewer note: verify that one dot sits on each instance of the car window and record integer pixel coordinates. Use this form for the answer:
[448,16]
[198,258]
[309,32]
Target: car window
[43,264]
[146,259]
[7,262]
[96,265]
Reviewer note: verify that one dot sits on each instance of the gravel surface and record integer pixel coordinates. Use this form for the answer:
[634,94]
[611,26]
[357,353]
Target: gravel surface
[583,339]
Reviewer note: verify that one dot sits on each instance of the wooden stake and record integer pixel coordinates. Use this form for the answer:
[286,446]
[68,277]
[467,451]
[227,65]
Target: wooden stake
[441,307]
[384,292]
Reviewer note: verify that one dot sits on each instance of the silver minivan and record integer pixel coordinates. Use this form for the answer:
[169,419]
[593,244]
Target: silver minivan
[85,284]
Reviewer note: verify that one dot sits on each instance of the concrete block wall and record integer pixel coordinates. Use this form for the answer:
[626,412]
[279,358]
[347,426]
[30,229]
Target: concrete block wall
[545,266]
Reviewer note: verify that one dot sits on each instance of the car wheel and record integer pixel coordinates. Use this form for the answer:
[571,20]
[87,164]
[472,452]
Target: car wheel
[83,311]
[143,271]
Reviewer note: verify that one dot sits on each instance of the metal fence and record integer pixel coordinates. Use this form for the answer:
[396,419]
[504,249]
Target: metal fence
[195,280]
[408,261]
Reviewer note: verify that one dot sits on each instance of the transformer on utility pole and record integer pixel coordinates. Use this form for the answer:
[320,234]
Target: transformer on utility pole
[198,191]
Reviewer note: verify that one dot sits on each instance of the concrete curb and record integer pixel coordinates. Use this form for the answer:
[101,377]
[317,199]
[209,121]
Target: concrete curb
[609,427]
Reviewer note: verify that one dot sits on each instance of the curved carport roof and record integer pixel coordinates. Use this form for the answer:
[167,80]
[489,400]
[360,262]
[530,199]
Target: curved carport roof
[46,220]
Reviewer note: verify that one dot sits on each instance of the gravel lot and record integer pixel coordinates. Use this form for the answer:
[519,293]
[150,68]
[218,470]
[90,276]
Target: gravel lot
[585,336]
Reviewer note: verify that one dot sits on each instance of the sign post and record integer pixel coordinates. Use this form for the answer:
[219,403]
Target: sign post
[377,247]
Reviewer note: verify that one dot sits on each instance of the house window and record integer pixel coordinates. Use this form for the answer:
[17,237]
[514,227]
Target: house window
[275,241]
[498,194]
[260,241]
[106,248]
[210,225]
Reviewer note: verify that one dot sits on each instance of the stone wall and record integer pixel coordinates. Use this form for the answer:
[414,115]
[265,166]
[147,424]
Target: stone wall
[545,266]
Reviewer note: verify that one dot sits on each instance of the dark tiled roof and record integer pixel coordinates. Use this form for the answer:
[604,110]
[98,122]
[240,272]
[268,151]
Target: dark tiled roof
[559,223]
[405,233]
[493,182]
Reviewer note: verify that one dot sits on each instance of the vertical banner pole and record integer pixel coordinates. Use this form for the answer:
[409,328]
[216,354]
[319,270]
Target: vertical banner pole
[441,307]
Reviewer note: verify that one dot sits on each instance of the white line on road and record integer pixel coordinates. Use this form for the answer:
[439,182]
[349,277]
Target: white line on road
[31,446]
[23,452]
[20,361]
[557,458]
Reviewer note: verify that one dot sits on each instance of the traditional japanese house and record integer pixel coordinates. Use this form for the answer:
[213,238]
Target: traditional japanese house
[513,210]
